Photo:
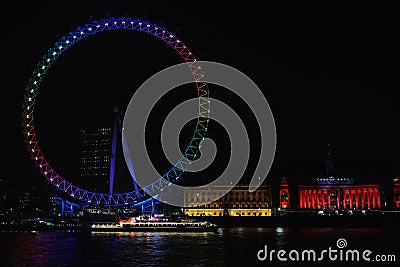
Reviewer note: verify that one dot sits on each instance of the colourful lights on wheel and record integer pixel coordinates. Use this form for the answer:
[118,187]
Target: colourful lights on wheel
[40,72]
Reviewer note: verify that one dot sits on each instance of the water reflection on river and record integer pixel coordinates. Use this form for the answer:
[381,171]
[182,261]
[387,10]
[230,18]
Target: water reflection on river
[228,247]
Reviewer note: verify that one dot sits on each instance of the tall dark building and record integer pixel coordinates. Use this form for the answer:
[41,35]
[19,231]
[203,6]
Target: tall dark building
[95,158]
[103,168]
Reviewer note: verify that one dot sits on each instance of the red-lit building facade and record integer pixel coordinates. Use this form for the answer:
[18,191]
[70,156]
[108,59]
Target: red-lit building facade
[284,200]
[396,192]
[339,193]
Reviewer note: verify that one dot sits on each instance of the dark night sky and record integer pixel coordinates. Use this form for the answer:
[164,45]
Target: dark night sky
[326,71]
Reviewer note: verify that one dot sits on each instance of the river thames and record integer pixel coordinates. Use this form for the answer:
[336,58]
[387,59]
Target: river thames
[236,246]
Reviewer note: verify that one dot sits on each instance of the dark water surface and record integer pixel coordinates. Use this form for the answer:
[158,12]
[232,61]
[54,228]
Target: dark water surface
[228,247]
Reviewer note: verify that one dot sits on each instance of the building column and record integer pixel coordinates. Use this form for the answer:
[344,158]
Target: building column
[358,198]
[351,199]
[344,199]
[369,198]
[378,196]
[373,198]
[313,199]
[363,198]
[355,199]
[301,199]
[308,199]
[328,197]
[323,197]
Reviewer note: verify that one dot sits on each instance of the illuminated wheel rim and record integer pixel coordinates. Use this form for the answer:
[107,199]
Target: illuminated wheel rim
[35,80]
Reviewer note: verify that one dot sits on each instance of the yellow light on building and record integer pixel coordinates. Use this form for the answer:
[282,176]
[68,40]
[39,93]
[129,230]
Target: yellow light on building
[237,202]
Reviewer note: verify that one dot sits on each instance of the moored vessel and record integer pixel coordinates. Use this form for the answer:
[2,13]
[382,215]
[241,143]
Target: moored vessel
[153,224]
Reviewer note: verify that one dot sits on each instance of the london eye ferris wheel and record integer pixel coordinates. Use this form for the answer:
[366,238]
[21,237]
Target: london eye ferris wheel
[139,195]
